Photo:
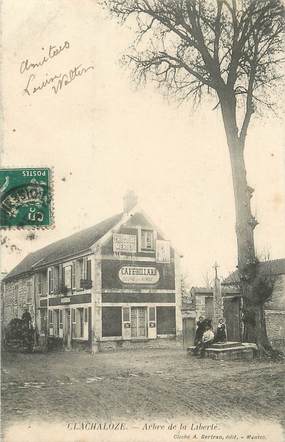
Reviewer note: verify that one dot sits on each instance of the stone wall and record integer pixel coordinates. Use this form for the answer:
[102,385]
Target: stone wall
[275,326]
[277,301]
[17,297]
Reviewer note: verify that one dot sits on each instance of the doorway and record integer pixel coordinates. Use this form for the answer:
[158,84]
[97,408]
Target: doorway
[232,316]
[189,328]
[138,322]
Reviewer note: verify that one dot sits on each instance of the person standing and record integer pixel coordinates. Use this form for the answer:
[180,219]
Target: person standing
[199,330]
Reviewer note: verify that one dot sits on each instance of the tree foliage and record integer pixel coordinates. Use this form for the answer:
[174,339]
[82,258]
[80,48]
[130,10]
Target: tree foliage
[232,48]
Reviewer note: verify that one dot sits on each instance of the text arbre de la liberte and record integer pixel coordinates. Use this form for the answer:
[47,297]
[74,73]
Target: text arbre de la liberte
[119,426]
[56,81]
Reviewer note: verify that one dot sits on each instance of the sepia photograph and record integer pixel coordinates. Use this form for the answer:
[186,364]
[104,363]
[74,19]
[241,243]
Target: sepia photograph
[142,220]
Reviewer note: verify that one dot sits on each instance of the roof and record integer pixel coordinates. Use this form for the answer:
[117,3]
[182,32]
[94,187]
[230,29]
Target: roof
[78,242]
[274,267]
[196,291]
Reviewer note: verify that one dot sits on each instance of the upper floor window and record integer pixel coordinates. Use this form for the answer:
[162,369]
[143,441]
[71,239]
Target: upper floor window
[67,280]
[40,283]
[147,240]
[51,280]
[85,265]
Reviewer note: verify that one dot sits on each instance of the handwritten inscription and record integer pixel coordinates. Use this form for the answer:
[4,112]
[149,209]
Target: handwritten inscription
[56,82]
[53,51]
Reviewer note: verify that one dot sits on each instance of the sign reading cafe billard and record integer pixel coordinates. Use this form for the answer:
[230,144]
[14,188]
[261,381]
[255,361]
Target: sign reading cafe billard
[124,243]
[138,275]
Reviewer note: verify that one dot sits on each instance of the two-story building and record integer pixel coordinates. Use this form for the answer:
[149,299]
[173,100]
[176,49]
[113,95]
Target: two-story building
[112,284]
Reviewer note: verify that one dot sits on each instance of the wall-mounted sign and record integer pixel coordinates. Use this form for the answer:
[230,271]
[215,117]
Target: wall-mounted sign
[138,275]
[123,242]
[65,300]
[162,251]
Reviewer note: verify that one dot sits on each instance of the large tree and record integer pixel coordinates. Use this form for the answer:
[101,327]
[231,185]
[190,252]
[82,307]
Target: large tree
[233,50]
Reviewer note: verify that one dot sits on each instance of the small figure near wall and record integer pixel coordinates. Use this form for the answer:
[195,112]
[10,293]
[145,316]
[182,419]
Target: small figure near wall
[199,330]
[221,335]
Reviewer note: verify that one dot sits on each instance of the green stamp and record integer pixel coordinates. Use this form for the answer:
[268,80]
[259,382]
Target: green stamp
[25,198]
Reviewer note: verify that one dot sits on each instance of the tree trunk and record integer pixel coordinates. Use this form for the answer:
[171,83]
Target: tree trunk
[253,308]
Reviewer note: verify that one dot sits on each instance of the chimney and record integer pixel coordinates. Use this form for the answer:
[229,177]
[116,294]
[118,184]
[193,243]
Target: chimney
[130,201]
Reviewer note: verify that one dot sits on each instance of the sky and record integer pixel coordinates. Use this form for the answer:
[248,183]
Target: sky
[102,136]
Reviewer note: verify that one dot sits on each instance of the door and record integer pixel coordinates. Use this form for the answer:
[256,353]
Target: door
[232,316]
[138,322]
[188,332]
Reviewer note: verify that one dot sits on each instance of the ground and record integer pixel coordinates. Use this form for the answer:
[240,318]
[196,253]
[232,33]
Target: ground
[70,386]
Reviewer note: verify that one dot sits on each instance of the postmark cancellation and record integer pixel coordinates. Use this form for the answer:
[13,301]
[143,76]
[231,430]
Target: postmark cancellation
[26,198]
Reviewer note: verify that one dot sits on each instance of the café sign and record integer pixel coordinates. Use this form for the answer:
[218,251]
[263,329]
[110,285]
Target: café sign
[138,275]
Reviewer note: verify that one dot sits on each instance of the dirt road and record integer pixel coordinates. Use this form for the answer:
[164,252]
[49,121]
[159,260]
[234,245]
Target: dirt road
[139,384]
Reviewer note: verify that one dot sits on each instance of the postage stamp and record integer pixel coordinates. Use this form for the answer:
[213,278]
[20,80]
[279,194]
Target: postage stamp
[26,198]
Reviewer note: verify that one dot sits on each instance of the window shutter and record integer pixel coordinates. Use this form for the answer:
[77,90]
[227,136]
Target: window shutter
[44,284]
[60,282]
[77,273]
[73,275]
[55,278]
[49,281]
[88,271]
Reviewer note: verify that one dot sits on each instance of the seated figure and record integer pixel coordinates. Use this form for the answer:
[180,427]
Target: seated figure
[206,341]
[221,335]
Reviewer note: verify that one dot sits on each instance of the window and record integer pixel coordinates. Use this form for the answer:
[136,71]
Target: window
[50,321]
[81,323]
[147,240]
[73,315]
[85,265]
[111,321]
[151,314]
[85,315]
[166,324]
[40,283]
[67,277]
[50,280]
[81,267]
[56,322]
[126,314]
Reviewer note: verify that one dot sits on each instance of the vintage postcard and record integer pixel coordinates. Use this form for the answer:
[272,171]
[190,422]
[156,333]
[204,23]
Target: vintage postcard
[142,220]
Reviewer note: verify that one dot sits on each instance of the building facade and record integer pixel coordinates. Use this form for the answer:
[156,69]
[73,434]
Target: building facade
[232,303]
[111,285]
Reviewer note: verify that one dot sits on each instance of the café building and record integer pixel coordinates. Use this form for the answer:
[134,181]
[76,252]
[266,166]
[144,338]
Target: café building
[115,284]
